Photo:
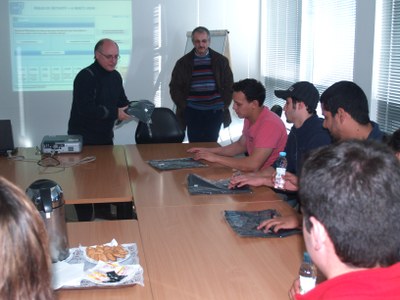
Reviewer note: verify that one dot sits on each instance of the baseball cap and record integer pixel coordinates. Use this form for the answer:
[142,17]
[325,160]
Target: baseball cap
[303,91]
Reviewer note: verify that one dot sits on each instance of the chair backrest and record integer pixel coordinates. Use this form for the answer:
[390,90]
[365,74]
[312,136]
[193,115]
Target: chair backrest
[277,109]
[6,137]
[164,128]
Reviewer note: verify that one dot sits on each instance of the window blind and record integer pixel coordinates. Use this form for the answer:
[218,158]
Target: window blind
[308,40]
[281,32]
[386,82]
[328,31]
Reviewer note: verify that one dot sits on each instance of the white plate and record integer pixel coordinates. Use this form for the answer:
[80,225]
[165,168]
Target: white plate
[70,255]
[93,261]
[98,274]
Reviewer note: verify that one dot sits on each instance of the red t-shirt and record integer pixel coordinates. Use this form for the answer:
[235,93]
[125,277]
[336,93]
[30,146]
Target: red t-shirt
[267,132]
[377,283]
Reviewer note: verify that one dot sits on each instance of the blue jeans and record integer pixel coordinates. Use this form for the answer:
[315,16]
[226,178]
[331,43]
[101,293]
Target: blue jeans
[203,125]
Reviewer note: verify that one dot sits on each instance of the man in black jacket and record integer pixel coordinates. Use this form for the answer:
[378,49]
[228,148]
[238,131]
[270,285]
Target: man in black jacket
[98,98]
[98,101]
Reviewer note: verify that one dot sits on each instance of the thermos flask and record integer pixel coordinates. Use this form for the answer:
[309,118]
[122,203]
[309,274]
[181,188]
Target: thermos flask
[47,196]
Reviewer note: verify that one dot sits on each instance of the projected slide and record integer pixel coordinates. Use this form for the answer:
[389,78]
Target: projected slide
[52,40]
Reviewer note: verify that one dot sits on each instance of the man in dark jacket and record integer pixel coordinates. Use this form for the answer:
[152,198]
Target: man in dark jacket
[201,88]
[346,111]
[98,98]
[98,101]
[307,132]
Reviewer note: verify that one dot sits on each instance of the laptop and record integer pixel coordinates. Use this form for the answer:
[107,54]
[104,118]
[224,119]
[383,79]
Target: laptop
[6,137]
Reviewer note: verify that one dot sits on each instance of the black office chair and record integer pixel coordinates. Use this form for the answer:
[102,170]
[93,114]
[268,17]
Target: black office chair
[164,128]
[277,109]
[6,138]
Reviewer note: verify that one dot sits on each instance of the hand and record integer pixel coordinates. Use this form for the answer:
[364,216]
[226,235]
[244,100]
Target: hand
[295,289]
[206,155]
[287,222]
[198,149]
[248,179]
[122,115]
[291,182]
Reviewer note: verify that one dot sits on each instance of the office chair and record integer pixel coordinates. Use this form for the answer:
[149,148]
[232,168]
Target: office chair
[277,109]
[164,128]
[6,138]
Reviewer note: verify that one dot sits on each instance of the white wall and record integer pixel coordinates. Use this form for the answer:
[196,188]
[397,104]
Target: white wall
[36,114]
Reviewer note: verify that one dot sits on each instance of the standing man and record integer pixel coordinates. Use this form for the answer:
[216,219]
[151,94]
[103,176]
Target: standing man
[305,135]
[263,137]
[99,97]
[350,195]
[201,88]
[98,101]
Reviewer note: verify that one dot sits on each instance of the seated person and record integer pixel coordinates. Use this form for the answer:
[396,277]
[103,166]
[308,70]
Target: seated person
[351,226]
[290,221]
[291,184]
[263,136]
[394,142]
[24,251]
[346,113]
[305,135]
[345,108]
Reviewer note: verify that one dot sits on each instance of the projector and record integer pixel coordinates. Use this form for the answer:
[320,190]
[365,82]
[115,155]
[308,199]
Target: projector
[61,144]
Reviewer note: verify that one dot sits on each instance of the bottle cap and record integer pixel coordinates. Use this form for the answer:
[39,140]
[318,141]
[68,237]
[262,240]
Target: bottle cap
[306,257]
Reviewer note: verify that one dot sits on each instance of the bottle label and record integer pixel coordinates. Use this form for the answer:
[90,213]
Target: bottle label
[306,284]
[279,181]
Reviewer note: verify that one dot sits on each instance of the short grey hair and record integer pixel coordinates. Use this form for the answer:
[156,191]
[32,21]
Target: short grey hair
[201,29]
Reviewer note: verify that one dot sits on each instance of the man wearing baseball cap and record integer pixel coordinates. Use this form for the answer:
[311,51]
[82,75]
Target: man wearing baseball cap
[306,134]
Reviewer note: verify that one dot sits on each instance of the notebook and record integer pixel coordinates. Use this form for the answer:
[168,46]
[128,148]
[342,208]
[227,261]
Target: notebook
[6,137]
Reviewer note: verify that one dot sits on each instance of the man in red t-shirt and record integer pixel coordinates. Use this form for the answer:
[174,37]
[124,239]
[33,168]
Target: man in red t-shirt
[351,226]
[263,136]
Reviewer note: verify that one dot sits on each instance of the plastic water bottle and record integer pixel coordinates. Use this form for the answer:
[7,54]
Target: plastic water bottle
[308,274]
[281,165]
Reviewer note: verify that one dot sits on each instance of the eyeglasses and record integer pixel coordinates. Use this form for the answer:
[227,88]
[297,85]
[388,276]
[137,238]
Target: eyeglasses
[109,56]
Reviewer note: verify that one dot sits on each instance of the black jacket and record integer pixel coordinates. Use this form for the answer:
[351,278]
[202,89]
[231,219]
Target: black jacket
[97,96]
[311,135]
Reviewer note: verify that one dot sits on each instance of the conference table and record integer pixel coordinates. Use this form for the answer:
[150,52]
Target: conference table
[95,233]
[103,180]
[187,249]
[192,253]
[151,187]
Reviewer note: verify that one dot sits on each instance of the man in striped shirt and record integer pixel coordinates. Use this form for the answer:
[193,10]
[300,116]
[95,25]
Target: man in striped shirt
[201,88]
